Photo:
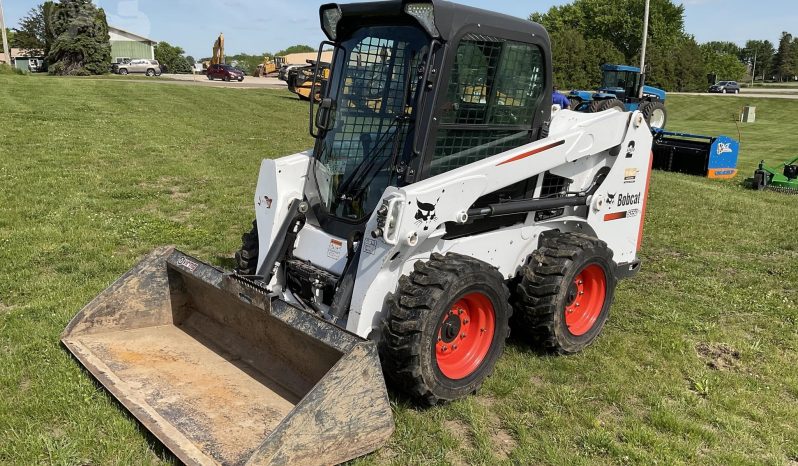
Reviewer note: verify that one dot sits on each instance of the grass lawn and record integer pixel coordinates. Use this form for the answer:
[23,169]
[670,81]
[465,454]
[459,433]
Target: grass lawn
[697,364]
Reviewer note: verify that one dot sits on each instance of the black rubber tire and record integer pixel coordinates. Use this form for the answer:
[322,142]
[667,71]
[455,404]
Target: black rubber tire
[593,106]
[210,78]
[649,108]
[123,71]
[247,257]
[574,103]
[611,103]
[409,334]
[541,297]
[150,73]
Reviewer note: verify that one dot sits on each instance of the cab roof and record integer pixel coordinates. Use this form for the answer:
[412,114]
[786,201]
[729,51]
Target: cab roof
[450,18]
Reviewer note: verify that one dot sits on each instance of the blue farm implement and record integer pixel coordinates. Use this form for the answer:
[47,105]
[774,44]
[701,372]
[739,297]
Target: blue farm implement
[620,89]
[712,157]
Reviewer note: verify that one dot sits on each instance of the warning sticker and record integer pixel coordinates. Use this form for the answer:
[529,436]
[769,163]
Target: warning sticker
[335,248]
[369,245]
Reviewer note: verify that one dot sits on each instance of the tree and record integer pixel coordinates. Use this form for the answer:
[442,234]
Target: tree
[759,53]
[783,61]
[719,47]
[726,66]
[30,33]
[677,65]
[82,44]
[295,49]
[171,58]
[601,19]
[588,33]
[190,60]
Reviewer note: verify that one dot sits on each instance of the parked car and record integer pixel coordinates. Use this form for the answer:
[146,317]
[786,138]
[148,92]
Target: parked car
[725,87]
[225,73]
[140,65]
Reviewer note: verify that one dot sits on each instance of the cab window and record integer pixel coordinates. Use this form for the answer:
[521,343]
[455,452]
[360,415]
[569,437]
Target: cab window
[492,94]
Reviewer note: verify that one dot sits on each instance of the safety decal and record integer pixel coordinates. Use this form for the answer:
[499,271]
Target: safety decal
[630,175]
[369,245]
[334,249]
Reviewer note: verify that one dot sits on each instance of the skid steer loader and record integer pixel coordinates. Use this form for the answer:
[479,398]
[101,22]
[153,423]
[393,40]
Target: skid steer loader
[444,194]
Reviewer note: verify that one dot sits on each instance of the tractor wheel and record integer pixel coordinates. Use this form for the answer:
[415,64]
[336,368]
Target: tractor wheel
[566,291]
[594,105]
[611,104]
[655,114]
[574,103]
[445,329]
[247,256]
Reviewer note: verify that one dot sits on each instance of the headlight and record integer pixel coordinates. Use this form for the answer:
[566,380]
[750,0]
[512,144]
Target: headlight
[425,14]
[330,15]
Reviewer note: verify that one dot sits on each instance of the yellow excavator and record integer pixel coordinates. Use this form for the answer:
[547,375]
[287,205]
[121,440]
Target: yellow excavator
[218,53]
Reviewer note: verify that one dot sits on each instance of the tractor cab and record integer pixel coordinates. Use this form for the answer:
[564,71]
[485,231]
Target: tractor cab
[417,89]
[622,82]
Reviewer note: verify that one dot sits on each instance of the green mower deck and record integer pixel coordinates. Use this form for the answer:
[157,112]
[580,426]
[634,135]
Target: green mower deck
[782,179]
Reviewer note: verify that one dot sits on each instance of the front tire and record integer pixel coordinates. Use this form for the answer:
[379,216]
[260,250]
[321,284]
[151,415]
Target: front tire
[566,292]
[247,257]
[123,72]
[150,73]
[445,328]
[655,114]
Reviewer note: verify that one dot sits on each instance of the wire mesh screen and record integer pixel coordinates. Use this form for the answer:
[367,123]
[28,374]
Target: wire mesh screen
[494,82]
[554,185]
[376,84]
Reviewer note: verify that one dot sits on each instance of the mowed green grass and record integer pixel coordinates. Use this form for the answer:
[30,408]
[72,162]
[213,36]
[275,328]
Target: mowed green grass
[697,364]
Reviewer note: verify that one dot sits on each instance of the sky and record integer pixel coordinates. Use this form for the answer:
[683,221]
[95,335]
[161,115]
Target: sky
[257,26]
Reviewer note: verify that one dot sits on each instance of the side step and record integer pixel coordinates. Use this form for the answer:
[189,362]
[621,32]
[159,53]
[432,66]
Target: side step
[223,374]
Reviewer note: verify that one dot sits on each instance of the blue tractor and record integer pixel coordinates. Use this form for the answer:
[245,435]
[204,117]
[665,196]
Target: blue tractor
[620,88]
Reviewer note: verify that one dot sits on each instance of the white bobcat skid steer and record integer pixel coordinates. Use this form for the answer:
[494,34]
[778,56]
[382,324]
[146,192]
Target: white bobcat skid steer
[444,195]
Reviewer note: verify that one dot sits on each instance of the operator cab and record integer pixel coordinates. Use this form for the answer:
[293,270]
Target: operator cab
[418,88]
[623,81]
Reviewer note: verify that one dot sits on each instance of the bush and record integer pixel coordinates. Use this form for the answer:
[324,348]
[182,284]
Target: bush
[8,69]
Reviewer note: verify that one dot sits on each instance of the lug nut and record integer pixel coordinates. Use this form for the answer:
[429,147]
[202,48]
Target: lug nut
[454,347]
[465,321]
[444,348]
[579,282]
[462,335]
[581,293]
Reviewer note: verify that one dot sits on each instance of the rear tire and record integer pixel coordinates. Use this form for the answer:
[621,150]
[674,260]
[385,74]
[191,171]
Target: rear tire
[574,103]
[247,257]
[445,329]
[655,114]
[611,104]
[150,73]
[123,72]
[566,292]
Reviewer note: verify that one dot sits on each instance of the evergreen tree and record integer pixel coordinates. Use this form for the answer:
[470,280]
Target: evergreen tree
[783,64]
[82,43]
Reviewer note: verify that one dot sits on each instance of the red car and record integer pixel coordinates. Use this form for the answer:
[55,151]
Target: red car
[225,73]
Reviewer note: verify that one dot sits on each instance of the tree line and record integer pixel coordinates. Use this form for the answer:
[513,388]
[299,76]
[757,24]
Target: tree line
[588,33]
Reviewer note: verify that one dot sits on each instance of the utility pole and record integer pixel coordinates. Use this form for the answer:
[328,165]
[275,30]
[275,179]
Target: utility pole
[6,50]
[753,70]
[643,51]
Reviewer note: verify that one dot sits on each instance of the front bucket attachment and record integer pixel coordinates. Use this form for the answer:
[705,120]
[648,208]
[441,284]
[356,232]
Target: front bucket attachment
[223,374]
[712,157]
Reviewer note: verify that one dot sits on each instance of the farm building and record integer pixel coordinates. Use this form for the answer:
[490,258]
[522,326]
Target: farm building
[23,59]
[126,44]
